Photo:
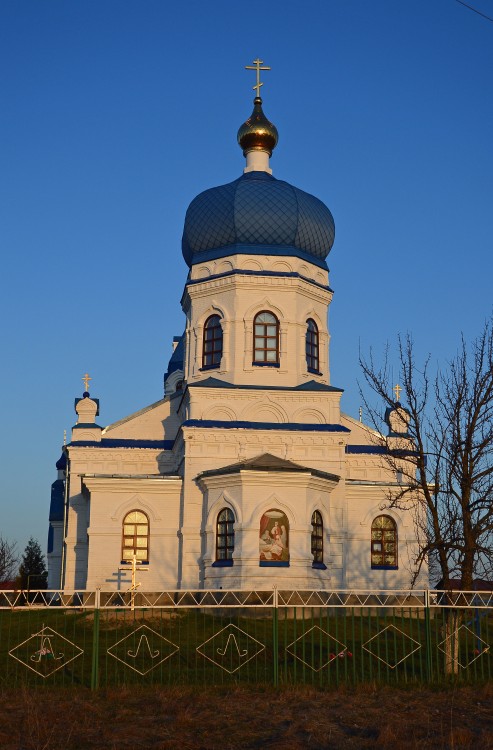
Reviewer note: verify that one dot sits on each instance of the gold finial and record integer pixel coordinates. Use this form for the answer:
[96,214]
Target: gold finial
[397,390]
[65,437]
[257,133]
[257,65]
[86,380]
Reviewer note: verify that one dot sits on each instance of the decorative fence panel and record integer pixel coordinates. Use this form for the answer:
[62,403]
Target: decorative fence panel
[324,638]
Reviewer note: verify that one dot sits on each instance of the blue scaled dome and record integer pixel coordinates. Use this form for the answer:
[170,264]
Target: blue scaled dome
[257,214]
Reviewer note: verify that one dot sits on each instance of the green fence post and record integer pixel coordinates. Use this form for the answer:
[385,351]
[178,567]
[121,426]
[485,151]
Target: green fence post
[275,639]
[95,643]
[429,667]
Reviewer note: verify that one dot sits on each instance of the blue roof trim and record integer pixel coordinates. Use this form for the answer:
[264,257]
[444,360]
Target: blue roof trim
[292,426]
[311,385]
[166,445]
[247,272]
[376,449]
[86,425]
[238,249]
[380,450]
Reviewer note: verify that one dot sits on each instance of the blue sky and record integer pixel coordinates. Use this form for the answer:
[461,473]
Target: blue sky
[115,114]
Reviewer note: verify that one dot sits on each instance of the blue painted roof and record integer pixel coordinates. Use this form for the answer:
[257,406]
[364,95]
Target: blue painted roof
[381,450]
[176,359]
[50,539]
[375,449]
[294,426]
[61,464]
[57,500]
[165,445]
[311,385]
[257,211]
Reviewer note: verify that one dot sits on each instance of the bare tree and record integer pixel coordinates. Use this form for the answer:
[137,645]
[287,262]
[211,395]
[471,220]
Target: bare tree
[8,560]
[444,457]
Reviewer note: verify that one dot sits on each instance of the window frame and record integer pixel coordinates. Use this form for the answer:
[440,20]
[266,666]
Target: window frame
[312,347]
[217,326]
[266,337]
[135,535]
[377,542]
[317,535]
[223,535]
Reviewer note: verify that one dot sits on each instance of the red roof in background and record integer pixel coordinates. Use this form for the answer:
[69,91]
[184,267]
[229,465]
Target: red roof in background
[7,585]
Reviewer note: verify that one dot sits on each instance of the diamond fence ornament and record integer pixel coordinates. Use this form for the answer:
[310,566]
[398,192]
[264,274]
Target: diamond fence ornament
[389,648]
[230,648]
[464,649]
[317,648]
[46,652]
[143,650]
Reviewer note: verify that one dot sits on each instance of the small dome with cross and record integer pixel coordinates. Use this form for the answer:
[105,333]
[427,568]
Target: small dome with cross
[257,214]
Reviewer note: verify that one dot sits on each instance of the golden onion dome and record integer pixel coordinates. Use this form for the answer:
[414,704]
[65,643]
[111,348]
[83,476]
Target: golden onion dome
[258,133]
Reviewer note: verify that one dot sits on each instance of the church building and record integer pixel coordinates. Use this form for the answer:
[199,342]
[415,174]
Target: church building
[244,473]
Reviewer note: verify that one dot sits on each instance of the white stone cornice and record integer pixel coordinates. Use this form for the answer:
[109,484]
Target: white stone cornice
[310,289]
[250,477]
[149,484]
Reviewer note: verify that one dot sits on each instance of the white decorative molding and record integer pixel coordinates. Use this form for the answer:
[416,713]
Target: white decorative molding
[135,503]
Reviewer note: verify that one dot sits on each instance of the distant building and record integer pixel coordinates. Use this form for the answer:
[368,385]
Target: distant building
[246,473]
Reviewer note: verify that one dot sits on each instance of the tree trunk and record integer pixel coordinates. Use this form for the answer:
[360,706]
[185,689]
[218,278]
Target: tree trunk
[453,618]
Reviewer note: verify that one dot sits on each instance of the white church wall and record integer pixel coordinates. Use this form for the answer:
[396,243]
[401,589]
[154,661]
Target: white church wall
[111,498]
[365,503]
[306,407]
[150,423]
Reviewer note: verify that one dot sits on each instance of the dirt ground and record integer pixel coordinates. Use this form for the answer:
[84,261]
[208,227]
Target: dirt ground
[246,718]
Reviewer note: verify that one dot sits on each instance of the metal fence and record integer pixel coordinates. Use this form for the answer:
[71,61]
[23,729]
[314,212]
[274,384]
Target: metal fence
[324,638]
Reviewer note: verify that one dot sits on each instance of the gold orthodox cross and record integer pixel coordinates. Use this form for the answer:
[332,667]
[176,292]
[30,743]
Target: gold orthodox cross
[397,390]
[257,66]
[133,571]
[86,380]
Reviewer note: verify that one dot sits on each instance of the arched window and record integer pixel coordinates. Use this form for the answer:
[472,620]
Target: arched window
[312,358]
[212,349]
[135,536]
[383,543]
[317,537]
[265,339]
[225,535]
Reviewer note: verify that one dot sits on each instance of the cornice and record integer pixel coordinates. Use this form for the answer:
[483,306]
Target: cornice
[157,484]
[244,280]
[275,479]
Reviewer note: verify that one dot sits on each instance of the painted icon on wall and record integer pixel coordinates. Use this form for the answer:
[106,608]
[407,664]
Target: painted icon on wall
[274,536]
